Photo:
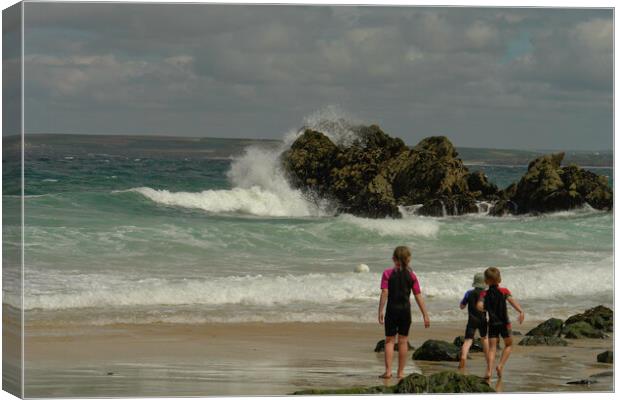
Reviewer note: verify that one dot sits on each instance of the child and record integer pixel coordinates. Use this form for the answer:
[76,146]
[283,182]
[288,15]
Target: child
[477,320]
[396,286]
[493,301]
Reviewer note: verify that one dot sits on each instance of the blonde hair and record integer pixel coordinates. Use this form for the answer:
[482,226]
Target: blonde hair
[492,276]
[402,255]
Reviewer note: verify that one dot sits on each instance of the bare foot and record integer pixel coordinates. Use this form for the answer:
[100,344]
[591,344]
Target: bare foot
[499,370]
[385,376]
[487,376]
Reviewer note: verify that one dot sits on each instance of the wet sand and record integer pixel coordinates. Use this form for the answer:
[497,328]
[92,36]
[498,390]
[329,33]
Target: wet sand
[265,359]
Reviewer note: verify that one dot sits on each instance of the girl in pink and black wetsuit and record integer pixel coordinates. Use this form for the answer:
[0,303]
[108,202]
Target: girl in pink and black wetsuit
[397,283]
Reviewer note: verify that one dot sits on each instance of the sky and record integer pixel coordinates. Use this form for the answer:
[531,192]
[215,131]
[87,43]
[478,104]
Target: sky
[484,77]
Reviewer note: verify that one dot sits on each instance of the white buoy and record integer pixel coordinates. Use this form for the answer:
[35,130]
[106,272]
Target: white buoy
[362,268]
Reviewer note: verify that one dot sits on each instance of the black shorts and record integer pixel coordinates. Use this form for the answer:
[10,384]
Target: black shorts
[398,320]
[470,330]
[504,330]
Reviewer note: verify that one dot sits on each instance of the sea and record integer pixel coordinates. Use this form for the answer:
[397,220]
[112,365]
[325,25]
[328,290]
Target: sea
[130,229]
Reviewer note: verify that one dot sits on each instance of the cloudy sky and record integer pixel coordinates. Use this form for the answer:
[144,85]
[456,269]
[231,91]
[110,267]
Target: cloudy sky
[511,78]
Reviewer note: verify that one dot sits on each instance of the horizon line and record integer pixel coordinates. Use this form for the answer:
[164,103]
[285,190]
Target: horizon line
[166,136]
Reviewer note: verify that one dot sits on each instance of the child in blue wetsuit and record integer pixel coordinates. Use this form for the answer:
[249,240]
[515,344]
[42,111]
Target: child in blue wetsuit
[397,283]
[476,320]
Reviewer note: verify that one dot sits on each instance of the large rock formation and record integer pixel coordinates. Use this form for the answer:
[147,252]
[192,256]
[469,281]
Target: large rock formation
[374,174]
[548,187]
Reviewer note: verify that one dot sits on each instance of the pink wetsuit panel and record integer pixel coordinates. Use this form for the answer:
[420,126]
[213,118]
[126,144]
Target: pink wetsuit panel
[386,277]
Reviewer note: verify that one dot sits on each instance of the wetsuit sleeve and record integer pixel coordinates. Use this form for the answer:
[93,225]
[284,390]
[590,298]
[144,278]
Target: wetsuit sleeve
[385,278]
[416,284]
[505,292]
[464,301]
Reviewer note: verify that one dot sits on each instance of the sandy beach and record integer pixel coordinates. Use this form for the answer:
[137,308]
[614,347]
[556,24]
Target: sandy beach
[266,359]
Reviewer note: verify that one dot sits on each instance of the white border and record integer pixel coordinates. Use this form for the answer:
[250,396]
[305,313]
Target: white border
[478,3]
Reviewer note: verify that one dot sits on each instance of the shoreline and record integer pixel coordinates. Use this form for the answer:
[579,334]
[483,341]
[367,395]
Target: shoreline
[267,359]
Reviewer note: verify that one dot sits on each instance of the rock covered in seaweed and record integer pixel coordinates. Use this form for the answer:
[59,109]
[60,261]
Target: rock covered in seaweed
[437,350]
[599,317]
[441,382]
[543,341]
[376,173]
[548,187]
[373,174]
[551,327]
[309,162]
[478,183]
[581,330]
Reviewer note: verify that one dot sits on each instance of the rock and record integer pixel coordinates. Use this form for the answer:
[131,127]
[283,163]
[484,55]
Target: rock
[374,174]
[362,268]
[454,205]
[442,382]
[542,341]
[582,329]
[380,347]
[503,207]
[309,162]
[547,187]
[453,382]
[599,317]
[414,383]
[606,357]
[437,350]
[541,189]
[432,174]
[592,187]
[353,390]
[551,327]
[478,182]
[582,382]
[358,179]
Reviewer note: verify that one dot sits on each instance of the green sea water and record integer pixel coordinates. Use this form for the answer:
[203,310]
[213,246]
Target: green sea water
[141,230]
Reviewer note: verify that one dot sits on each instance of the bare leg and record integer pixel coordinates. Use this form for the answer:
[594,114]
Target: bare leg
[403,347]
[505,355]
[389,355]
[491,357]
[485,345]
[464,351]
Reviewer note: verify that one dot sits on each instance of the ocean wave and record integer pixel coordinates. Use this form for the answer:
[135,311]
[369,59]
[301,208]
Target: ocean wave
[259,188]
[253,201]
[534,282]
[409,226]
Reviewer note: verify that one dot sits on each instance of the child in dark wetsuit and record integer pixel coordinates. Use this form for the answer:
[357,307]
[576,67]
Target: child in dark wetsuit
[397,283]
[493,301]
[477,320]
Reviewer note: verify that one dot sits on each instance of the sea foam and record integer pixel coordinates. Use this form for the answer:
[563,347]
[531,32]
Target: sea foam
[289,292]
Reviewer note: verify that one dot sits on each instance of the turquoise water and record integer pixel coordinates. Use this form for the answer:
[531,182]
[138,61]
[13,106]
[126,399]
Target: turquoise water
[119,234]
